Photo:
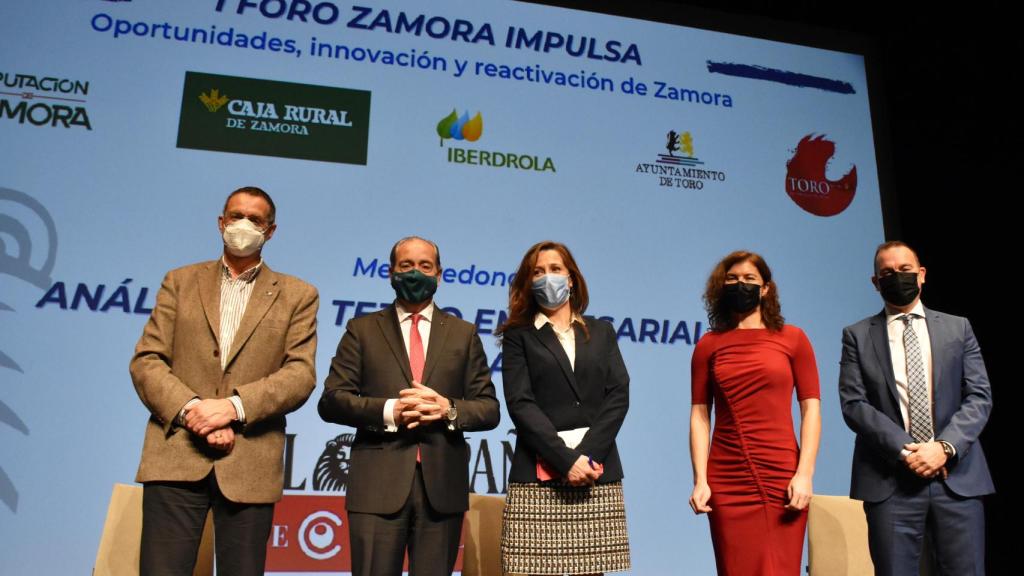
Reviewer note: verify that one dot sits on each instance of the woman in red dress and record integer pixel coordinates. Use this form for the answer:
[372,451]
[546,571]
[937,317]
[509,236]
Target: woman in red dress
[755,481]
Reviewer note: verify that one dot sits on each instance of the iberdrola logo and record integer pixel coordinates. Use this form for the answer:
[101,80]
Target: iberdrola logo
[460,128]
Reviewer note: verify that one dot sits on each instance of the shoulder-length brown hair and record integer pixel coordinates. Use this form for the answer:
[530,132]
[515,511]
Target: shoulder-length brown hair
[721,319]
[522,308]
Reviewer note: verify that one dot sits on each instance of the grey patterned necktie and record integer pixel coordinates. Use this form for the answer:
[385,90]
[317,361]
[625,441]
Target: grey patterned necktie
[917,384]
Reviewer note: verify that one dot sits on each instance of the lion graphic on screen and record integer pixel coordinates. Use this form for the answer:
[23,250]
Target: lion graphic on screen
[331,473]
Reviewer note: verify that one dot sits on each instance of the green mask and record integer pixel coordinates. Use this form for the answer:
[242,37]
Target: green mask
[413,286]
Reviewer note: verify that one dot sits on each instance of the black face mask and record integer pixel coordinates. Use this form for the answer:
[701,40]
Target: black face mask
[741,297]
[899,288]
[413,286]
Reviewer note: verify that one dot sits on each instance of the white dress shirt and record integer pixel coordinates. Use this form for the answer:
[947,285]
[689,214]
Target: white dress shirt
[567,337]
[895,328]
[405,324]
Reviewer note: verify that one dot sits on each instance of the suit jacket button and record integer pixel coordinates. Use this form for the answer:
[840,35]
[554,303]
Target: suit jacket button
[577,403]
[216,353]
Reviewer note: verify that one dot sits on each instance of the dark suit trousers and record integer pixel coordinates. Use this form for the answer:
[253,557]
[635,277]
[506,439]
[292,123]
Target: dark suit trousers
[173,515]
[378,541]
[955,529]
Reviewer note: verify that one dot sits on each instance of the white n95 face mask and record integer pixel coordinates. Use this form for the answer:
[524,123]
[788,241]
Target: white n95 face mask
[242,238]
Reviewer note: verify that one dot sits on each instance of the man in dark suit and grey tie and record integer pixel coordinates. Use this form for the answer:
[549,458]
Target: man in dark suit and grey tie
[411,379]
[914,389]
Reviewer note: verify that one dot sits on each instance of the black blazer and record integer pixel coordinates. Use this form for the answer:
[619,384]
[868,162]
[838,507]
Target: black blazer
[544,395]
[371,366]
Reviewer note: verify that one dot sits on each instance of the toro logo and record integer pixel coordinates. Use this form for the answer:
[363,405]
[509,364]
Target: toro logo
[807,184]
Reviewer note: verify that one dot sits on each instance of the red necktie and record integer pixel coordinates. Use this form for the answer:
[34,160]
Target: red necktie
[416,358]
[416,349]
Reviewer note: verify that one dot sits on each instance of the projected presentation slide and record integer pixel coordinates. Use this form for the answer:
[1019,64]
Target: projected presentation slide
[651,150]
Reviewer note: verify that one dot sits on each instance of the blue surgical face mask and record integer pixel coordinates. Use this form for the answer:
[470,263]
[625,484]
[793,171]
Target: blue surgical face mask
[551,290]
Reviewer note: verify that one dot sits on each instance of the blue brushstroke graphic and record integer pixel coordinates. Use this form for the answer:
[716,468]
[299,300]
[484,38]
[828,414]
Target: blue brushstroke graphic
[8,362]
[18,262]
[8,494]
[780,76]
[7,416]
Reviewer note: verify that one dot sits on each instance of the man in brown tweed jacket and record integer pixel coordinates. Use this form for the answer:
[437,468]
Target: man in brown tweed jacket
[228,351]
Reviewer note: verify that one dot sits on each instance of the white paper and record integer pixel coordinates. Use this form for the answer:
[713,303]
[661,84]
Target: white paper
[572,438]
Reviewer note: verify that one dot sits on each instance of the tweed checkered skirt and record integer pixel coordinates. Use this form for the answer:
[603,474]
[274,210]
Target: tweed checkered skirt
[554,528]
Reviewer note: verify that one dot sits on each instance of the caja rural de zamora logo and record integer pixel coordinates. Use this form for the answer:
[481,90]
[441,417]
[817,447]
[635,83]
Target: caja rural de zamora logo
[807,184]
[214,100]
[682,170]
[470,129]
[270,118]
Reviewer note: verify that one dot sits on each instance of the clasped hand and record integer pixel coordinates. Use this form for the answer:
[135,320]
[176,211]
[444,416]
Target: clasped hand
[926,459]
[419,405]
[211,419]
[583,474]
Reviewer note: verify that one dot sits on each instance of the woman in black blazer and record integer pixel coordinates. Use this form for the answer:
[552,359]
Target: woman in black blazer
[567,391]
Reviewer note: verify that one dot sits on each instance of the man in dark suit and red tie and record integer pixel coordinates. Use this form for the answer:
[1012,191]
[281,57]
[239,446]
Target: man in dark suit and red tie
[411,379]
[914,389]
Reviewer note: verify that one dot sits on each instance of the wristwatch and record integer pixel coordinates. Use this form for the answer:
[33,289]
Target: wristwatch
[948,449]
[451,414]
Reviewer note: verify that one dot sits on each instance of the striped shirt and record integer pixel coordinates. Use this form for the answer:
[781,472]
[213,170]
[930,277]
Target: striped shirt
[234,296]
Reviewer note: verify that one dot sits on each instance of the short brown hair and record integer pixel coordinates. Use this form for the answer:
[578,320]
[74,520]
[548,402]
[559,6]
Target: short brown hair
[890,245]
[394,250]
[254,191]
